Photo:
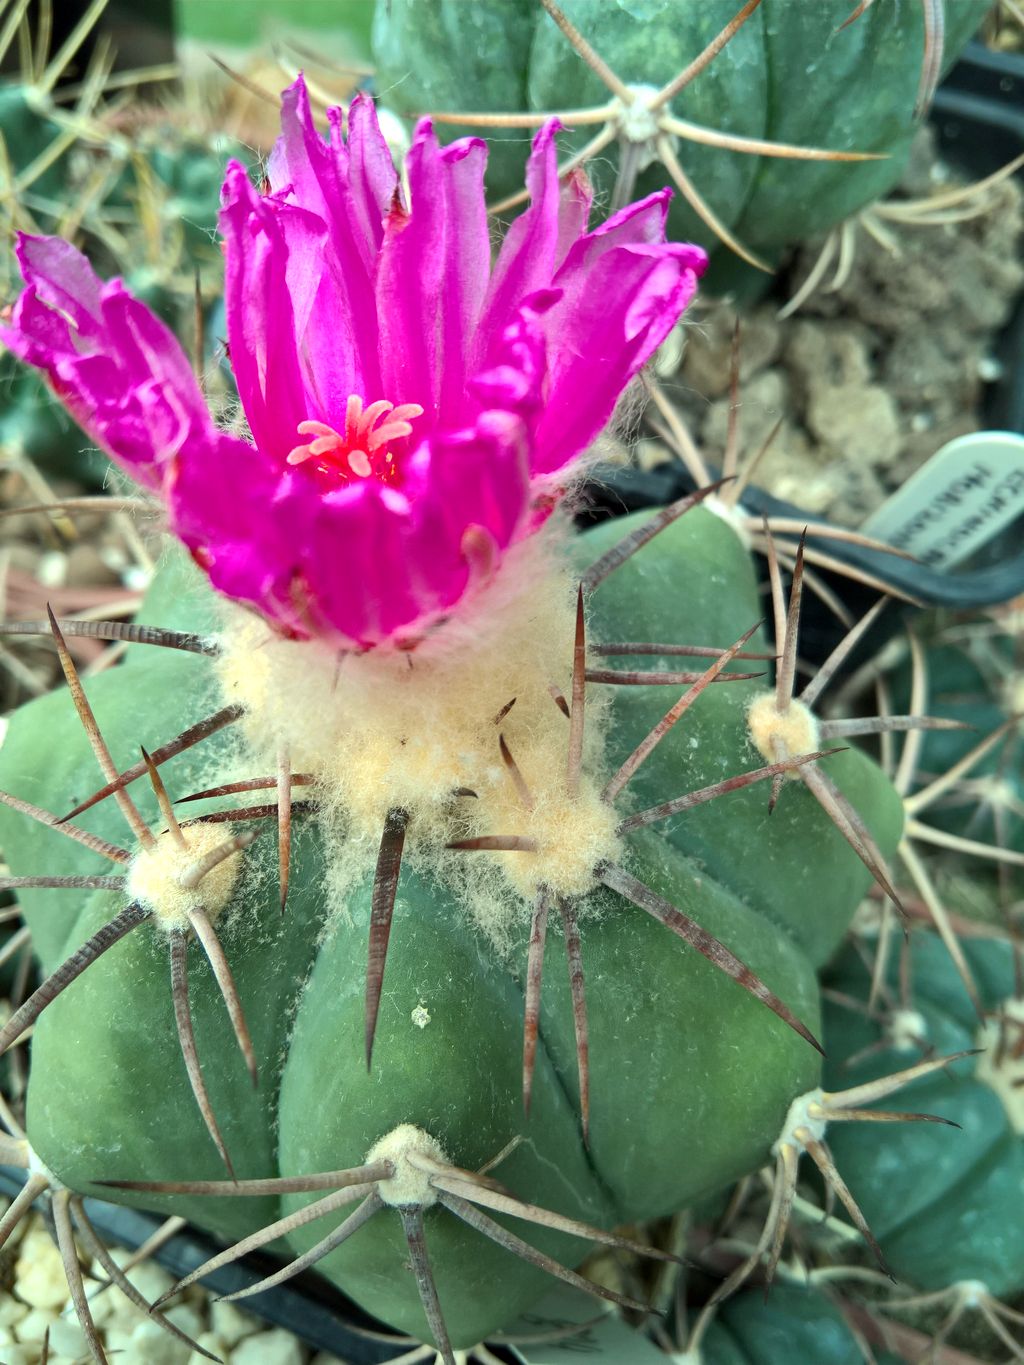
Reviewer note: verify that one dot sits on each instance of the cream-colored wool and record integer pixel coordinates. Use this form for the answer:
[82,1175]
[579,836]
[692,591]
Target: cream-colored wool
[417,730]
[779,735]
[410,1184]
[156,875]
[804,1117]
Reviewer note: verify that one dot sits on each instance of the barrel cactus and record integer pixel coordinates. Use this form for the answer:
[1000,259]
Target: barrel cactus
[654,89]
[385,643]
[953,1237]
[969,671]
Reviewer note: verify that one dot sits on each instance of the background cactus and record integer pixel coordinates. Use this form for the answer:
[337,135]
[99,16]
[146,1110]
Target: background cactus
[948,1227]
[969,671]
[137,186]
[794,1324]
[775,79]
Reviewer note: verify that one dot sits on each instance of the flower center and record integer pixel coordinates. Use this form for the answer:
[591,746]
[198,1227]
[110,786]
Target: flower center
[362,450]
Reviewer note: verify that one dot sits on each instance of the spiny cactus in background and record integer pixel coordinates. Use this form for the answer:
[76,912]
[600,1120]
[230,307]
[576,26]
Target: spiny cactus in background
[958,781]
[77,160]
[674,89]
[406,653]
[953,1236]
[798,1322]
[338,29]
[970,671]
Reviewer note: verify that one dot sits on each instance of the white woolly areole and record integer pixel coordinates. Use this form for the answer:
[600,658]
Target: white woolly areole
[156,874]
[907,1030]
[392,729]
[36,1166]
[408,1185]
[1004,1073]
[637,121]
[867,919]
[799,1119]
[779,735]
[972,1293]
[733,515]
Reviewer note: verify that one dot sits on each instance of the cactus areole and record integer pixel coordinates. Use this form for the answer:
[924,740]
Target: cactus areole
[396,674]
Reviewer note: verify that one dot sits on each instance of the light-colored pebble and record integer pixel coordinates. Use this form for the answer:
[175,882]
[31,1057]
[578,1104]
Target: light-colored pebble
[39,1273]
[121,1314]
[186,1318]
[67,1338]
[12,1310]
[103,1306]
[150,1279]
[211,1342]
[21,1355]
[116,1339]
[151,1345]
[32,1327]
[53,568]
[269,1348]
[230,1323]
[41,1301]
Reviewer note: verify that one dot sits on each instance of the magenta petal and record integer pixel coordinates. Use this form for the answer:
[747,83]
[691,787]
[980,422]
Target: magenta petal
[480,478]
[642,222]
[573,213]
[345,191]
[349,187]
[358,570]
[515,381]
[117,367]
[407,550]
[467,249]
[610,319]
[244,520]
[529,253]
[410,283]
[372,179]
[145,346]
[260,312]
[62,277]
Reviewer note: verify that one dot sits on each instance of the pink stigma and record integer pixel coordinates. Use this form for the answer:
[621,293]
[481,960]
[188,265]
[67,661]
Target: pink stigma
[363,450]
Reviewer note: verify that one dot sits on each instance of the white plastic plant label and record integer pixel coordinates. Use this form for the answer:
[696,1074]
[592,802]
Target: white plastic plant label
[967,492]
[545,1336]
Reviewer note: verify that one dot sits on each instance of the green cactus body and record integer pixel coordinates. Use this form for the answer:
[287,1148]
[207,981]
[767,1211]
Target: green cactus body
[795,1324]
[691,1077]
[791,74]
[955,1219]
[32,140]
[338,27]
[979,687]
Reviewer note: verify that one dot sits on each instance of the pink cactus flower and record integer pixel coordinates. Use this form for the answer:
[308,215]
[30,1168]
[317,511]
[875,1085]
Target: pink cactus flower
[412,407]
